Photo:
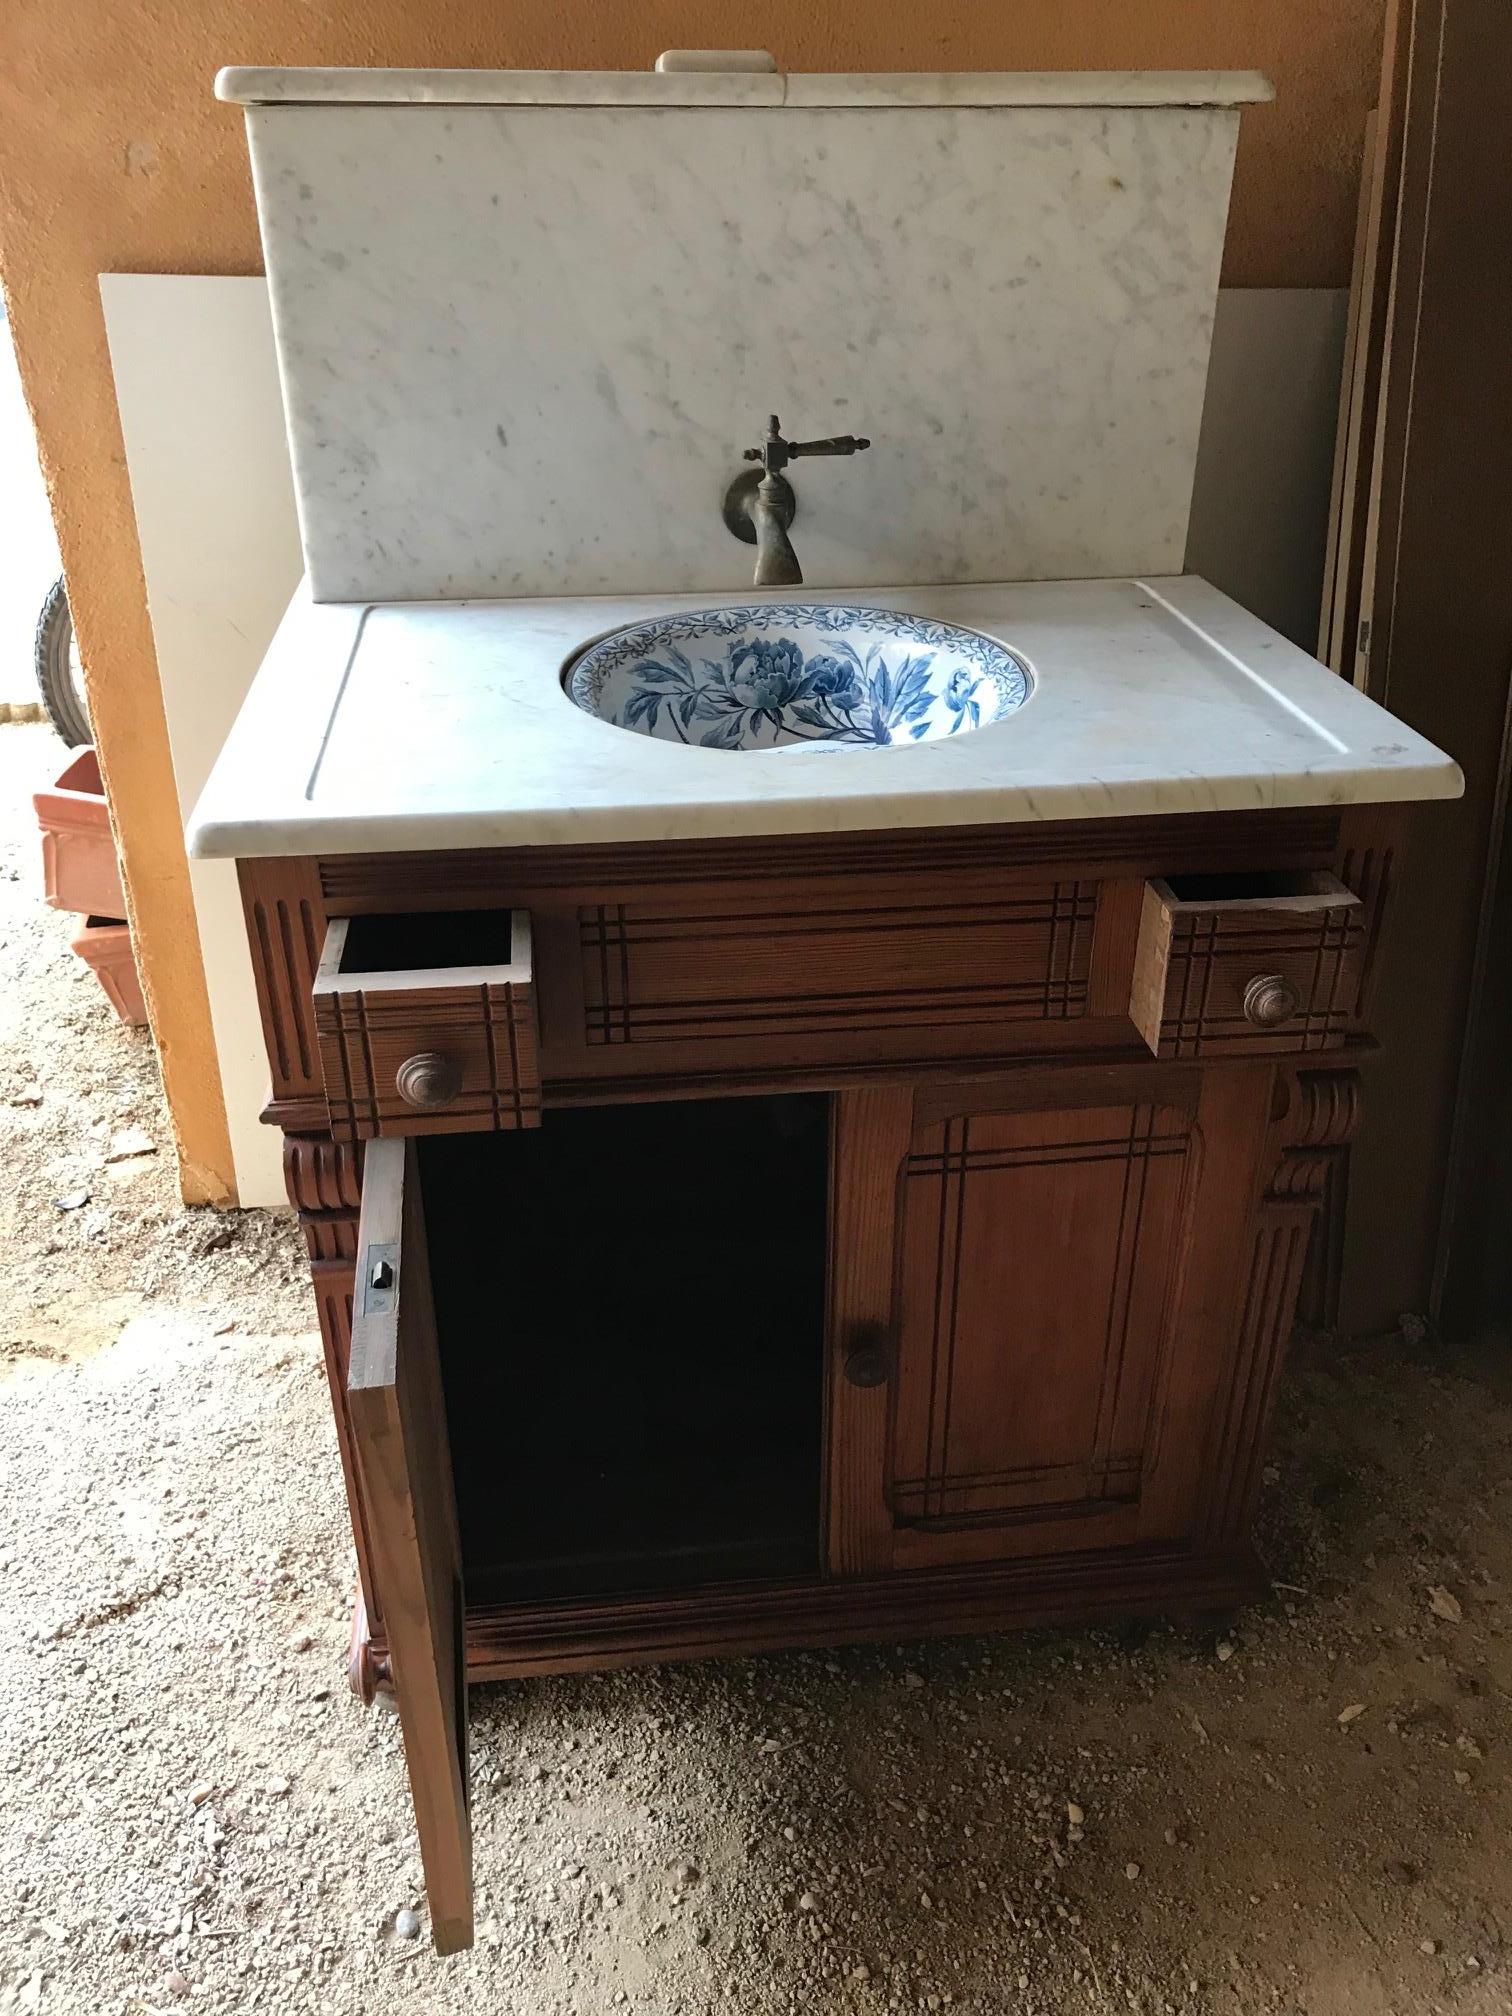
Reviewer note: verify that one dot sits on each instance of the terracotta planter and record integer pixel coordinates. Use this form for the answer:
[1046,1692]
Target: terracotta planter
[79,867]
[105,944]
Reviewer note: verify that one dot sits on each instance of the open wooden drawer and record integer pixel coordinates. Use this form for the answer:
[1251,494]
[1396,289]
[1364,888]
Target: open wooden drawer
[427,1023]
[1248,965]
[397,1411]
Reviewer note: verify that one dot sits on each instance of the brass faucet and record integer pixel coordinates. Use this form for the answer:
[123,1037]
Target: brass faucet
[759,508]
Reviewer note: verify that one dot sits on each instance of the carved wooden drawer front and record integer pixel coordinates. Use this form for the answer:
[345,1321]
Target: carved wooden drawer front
[667,976]
[427,1024]
[1248,965]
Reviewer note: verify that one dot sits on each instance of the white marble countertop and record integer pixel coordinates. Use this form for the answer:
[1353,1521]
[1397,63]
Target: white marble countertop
[444,724]
[250,85]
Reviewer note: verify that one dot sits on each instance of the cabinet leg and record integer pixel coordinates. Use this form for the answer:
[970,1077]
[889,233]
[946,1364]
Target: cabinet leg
[368,1669]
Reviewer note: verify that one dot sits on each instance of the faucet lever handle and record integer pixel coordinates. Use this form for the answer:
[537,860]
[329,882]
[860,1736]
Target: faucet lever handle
[832,444]
[777,453]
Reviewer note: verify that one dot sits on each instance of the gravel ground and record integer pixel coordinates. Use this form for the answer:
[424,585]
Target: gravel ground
[1308,1815]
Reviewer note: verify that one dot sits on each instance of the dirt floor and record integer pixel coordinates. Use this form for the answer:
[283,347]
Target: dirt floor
[1308,1815]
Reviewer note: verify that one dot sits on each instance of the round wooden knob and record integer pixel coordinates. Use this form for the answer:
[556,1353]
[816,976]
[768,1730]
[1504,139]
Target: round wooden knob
[868,1358]
[428,1080]
[1269,1000]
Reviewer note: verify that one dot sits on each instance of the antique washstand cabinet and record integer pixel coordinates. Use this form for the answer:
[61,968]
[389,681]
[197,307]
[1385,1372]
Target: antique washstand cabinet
[760,1194]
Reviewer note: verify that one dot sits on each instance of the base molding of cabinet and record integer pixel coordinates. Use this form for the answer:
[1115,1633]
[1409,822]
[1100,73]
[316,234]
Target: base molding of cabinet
[510,1642]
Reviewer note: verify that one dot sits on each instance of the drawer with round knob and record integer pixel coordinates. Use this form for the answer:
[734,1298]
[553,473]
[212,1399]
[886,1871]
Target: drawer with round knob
[1248,965]
[427,1023]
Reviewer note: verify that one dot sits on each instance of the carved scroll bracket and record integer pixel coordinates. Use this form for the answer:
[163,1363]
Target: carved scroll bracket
[324,1182]
[1319,1113]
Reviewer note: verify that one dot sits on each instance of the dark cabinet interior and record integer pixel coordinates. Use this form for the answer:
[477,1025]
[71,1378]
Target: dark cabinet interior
[428,941]
[660,1424]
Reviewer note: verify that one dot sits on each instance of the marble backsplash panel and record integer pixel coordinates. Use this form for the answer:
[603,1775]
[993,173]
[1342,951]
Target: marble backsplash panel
[522,347]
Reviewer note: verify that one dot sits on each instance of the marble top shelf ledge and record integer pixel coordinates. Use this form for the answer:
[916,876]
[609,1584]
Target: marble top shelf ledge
[254,85]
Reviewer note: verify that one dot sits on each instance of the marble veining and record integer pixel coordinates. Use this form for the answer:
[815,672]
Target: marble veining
[421,725]
[781,677]
[523,345]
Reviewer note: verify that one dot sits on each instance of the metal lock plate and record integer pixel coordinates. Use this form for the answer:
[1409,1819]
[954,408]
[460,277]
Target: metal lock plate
[380,1278]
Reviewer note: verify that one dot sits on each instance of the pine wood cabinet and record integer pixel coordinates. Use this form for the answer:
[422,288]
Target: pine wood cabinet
[779,1242]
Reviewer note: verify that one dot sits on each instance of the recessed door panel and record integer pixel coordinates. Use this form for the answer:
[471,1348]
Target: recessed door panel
[1038,1255]
[1034,1310]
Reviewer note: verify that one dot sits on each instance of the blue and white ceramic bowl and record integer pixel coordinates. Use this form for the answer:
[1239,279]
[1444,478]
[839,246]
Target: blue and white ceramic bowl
[797,675]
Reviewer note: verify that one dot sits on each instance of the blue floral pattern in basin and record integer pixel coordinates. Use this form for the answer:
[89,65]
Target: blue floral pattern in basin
[796,675]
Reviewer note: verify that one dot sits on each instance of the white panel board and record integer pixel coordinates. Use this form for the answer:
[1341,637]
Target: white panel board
[197,387]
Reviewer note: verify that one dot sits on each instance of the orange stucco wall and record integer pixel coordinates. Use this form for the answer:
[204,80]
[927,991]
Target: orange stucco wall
[115,157]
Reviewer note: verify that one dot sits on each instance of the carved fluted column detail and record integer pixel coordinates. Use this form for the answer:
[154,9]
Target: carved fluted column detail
[1316,1115]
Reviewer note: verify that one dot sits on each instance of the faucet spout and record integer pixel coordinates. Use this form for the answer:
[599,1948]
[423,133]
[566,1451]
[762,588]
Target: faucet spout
[760,508]
[771,514]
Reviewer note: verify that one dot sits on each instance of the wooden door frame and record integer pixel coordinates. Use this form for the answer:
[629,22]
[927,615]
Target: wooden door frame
[398,1422]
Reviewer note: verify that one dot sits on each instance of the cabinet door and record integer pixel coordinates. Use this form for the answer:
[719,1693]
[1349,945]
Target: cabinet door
[398,1419]
[1034,1300]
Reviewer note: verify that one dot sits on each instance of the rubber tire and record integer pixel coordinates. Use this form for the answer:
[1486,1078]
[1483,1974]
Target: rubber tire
[53,652]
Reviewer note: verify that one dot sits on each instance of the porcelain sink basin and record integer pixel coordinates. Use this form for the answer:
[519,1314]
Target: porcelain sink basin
[782,676]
